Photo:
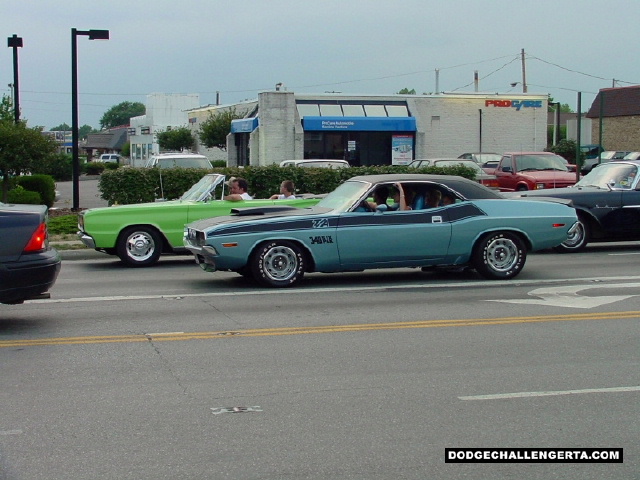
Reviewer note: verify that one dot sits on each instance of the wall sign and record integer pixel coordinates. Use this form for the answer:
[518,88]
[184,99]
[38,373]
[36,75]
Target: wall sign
[517,104]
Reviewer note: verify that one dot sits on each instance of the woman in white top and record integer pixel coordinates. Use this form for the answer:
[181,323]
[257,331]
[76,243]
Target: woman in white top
[286,191]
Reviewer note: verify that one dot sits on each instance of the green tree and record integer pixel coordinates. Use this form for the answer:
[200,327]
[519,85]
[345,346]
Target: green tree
[6,110]
[20,149]
[567,149]
[564,107]
[63,127]
[176,139]
[214,130]
[121,113]
[406,91]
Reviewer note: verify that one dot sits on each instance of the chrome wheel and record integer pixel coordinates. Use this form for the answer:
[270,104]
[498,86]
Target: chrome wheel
[577,239]
[139,246]
[278,264]
[499,255]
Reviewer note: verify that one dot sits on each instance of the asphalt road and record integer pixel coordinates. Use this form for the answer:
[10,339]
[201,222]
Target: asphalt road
[171,372]
[89,194]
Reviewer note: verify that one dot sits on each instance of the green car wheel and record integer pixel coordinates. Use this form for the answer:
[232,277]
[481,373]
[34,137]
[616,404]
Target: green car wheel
[139,246]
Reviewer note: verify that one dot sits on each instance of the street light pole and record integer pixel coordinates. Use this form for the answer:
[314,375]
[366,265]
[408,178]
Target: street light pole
[93,35]
[15,42]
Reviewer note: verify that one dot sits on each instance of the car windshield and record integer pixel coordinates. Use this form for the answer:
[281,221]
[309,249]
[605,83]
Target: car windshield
[488,157]
[199,191]
[183,162]
[343,197]
[541,162]
[611,175]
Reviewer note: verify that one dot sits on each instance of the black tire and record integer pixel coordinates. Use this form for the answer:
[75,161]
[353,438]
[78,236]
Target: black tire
[578,238]
[278,263]
[522,188]
[499,255]
[139,246]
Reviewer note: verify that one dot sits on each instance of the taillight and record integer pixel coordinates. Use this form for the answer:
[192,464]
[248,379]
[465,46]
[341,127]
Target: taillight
[38,240]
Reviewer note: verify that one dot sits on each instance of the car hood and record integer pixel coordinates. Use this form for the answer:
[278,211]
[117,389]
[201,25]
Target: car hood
[257,215]
[549,175]
[567,192]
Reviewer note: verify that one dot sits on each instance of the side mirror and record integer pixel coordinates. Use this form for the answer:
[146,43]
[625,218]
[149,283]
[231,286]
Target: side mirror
[506,169]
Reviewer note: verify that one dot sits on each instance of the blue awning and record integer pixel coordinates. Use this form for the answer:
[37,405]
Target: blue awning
[244,125]
[363,124]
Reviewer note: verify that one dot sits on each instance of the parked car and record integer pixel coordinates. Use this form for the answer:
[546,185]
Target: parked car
[604,157]
[109,158]
[183,160]
[482,158]
[341,233]
[519,171]
[28,265]
[486,179]
[607,202]
[315,163]
[140,233]
[632,156]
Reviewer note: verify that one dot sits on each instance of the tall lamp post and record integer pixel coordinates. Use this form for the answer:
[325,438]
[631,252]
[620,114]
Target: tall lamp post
[93,35]
[15,42]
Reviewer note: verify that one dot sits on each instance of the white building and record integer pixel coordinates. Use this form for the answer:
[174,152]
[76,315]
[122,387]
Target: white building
[380,129]
[163,112]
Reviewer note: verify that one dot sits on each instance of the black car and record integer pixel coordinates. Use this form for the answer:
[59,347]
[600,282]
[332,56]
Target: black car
[607,201]
[28,265]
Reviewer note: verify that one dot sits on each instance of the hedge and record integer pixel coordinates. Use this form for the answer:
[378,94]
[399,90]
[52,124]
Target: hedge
[137,185]
[44,185]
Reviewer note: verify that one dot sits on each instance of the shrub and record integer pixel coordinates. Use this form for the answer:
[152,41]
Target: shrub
[20,195]
[93,168]
[58,165]
[44,185]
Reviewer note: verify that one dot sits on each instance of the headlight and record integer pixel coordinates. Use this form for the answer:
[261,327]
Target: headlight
[81,221]
[539,186]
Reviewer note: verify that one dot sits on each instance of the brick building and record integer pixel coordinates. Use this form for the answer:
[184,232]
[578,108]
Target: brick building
[619,111]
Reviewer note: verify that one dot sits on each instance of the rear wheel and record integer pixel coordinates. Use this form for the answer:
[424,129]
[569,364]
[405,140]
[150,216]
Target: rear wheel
[577,239]
[498,256]
[139,246]
[278,264]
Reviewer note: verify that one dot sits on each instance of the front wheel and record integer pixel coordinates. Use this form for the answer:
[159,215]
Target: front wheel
[577,239]
[139,246]
[499,256]
[278,264]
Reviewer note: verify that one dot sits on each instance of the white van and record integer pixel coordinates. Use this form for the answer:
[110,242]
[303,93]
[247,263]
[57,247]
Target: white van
[182,160]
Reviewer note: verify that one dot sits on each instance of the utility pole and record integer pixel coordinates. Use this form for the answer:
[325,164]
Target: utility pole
[524,73]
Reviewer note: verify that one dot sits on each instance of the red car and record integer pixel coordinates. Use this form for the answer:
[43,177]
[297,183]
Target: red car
[519,171]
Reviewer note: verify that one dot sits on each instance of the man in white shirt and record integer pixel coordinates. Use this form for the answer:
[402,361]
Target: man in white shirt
[286,191]
[238,190]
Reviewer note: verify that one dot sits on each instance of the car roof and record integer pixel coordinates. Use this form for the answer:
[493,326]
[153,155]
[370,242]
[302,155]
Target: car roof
[468,188]
[178,155]
[531,153]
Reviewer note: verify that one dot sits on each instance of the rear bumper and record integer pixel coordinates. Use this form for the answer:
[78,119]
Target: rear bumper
[29,277]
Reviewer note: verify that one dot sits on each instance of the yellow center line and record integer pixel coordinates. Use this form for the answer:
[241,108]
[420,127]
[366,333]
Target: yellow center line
[257,332]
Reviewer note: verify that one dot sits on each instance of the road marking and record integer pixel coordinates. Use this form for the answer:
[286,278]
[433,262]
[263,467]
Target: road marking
[567,296]
[498,396]
[260,332]
[601,282]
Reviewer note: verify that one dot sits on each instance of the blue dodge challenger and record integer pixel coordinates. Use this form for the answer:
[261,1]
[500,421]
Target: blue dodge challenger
[358,226]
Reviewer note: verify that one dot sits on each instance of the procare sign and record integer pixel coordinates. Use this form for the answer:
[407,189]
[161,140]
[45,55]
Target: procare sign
[517,104]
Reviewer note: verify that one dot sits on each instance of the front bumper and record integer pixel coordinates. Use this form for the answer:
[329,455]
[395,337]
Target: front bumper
[87,240]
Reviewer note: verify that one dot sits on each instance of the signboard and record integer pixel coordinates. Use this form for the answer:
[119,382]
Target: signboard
[401,149]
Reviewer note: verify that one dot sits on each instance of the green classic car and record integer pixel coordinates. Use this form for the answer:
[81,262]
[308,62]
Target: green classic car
[140,233]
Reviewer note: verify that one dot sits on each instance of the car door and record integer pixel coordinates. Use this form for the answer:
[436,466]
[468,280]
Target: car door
[622,217]
[393,238]
[506,178]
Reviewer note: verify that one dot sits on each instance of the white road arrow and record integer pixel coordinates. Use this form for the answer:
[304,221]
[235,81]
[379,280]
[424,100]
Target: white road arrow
[568,296]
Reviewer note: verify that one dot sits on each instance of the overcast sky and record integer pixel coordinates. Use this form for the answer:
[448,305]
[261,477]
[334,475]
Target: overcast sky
[239,48]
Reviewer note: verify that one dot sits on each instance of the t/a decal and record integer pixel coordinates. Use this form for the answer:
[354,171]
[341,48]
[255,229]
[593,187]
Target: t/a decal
[320,223]
[321,239]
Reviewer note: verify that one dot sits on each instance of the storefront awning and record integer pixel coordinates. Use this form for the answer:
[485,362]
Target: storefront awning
[244,125]
[362,124]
